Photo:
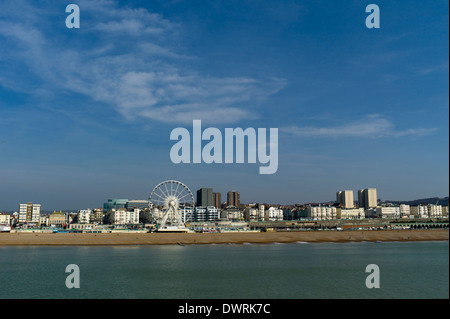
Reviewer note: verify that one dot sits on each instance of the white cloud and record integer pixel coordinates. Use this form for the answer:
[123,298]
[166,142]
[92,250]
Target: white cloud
[122,57]
[435,68]
[370,126]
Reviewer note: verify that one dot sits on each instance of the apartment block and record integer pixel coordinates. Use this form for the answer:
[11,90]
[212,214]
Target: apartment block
[420,211]
[29,213]
[350,213]
[5,219]
[388,211]
[84,216]
[321,212]
[434,210]
[345,198]
[367,198]
[205,197]
[217,200]
[233,198]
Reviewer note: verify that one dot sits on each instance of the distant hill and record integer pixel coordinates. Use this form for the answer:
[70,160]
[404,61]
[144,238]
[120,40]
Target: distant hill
[423,201]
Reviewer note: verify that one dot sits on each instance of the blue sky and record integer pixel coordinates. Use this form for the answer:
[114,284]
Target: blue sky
[86,114]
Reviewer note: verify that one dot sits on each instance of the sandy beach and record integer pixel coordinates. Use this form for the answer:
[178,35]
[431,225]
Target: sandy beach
[10,239]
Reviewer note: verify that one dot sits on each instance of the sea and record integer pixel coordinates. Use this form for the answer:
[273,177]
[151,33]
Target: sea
[404,270]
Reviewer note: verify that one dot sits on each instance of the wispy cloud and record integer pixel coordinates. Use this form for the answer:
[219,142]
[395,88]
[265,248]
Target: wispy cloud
[123,57]
[370,126]
[434,68]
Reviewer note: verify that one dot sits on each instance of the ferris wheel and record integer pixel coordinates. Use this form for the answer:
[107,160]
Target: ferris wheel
[166,201]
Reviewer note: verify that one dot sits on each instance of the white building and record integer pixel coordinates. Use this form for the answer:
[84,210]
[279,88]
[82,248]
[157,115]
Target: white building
[367,198]
[262,212]
[352,213]
[388,211]
[29,213]
[187,214]
[125,217]
[345,198]
[434,210]
[212,213]
[5,219]
[43,220]
[251,214]
[420,211]
[232,213]
[321,212]
[445,211]
[405,211]
[200,214]
[84,216]
[275,214]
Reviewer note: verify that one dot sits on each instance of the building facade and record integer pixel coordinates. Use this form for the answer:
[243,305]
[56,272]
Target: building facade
[388,211]
[205,197]
[274,214]
[367,198]
[217,200]
[124,217]
[29,213]
[137,203]
[114,203]
[351,213]
[233,198]
[321,212]
[84,216]
[419,211]
[5,219]
[434,211]
[58,219]
[405,211]
[345,198]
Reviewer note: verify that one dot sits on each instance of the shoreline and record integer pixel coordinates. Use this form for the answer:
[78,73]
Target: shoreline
[115,239]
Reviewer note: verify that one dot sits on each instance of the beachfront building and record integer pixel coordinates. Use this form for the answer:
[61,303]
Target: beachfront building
[444,211]
[350,213]
[388,211]
[262,212]
[187,214]
[405,211]
[82,227]
[96,216]
[200,214]
[206,214]
[275,214]
[29,213]
[84,216]
[212,213]
[232,213]
[5,219]
[297,213]
[434,211]
[321,212]
[251,214]
[420,211]
[57,219]
[122,216]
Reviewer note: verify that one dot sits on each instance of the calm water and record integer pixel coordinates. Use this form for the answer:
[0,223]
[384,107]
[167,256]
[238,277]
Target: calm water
[320,270]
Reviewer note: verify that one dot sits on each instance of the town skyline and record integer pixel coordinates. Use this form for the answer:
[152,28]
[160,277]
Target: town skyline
[224,200]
